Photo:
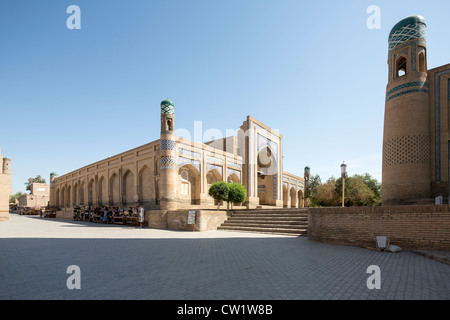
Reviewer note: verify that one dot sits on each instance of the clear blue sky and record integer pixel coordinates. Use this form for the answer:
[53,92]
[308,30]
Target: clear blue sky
[312,70]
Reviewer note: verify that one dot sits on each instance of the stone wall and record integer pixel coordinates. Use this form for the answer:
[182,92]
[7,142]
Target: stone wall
[205,220]
[410,227]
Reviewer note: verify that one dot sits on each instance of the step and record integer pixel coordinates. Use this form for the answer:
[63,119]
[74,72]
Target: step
[269,215]
[293,222]
[268,221]
[290,222]
[258,225]
[305,212]
[261,220]
[278,216]
[272,233]
[265,230]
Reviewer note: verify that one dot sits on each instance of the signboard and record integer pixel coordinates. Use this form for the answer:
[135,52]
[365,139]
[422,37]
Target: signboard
[191,217]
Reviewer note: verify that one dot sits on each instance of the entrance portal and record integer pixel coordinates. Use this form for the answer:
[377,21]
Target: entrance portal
[267,176]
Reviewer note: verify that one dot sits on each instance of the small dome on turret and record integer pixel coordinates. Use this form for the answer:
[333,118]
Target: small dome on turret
[409,28]
[167,101]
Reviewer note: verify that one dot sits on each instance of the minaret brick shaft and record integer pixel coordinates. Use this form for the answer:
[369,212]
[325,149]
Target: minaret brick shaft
[406,140]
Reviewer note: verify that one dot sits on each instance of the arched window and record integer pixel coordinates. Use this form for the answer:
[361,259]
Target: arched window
[184,190]
[169,126]
[401,67]
[128,194]
[146,185]
[422,66]
[102,191]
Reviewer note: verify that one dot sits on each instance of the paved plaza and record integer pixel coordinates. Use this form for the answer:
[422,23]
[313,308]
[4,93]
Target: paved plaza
[119,262]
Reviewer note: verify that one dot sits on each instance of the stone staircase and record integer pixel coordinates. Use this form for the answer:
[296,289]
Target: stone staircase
[292,222]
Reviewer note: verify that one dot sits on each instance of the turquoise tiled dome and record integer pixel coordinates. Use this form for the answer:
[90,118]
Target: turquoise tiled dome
[412,27]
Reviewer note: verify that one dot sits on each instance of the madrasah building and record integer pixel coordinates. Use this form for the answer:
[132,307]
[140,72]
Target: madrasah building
[173,173]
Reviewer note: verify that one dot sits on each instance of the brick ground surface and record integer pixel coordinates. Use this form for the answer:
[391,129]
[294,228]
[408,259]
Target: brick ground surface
[119,262]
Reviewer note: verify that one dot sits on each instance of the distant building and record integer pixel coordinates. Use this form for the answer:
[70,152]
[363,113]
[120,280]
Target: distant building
[416,142]
[39,196]
[5,187]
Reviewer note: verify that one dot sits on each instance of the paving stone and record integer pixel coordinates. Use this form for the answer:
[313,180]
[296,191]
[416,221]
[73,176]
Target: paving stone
[119,262]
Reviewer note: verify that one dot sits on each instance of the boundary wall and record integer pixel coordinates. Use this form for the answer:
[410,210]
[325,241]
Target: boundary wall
[410,227]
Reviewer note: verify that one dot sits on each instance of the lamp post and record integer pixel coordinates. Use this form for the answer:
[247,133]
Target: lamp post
[343,173]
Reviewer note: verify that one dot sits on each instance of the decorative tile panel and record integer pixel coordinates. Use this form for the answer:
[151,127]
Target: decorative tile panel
[230,171]
[183,160]
[168,162]
[406,150]
[210,166]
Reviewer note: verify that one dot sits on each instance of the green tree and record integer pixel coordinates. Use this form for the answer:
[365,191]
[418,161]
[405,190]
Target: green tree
[375,186]
[236,193]
[219,191]
[17,195]
[326,195]
[311,190]
[360,190]
[37,179]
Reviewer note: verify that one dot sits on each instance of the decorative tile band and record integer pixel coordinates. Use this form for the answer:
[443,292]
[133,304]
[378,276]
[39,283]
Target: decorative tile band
[234,164]
[168,162]
[406,92]
[190,153]
[167,108]
[167,145]
[214,159]
[408,85]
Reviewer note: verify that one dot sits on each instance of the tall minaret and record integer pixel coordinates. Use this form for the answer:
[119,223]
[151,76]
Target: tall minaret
[5,187]
[168,172]
[306,176]
[406,141]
